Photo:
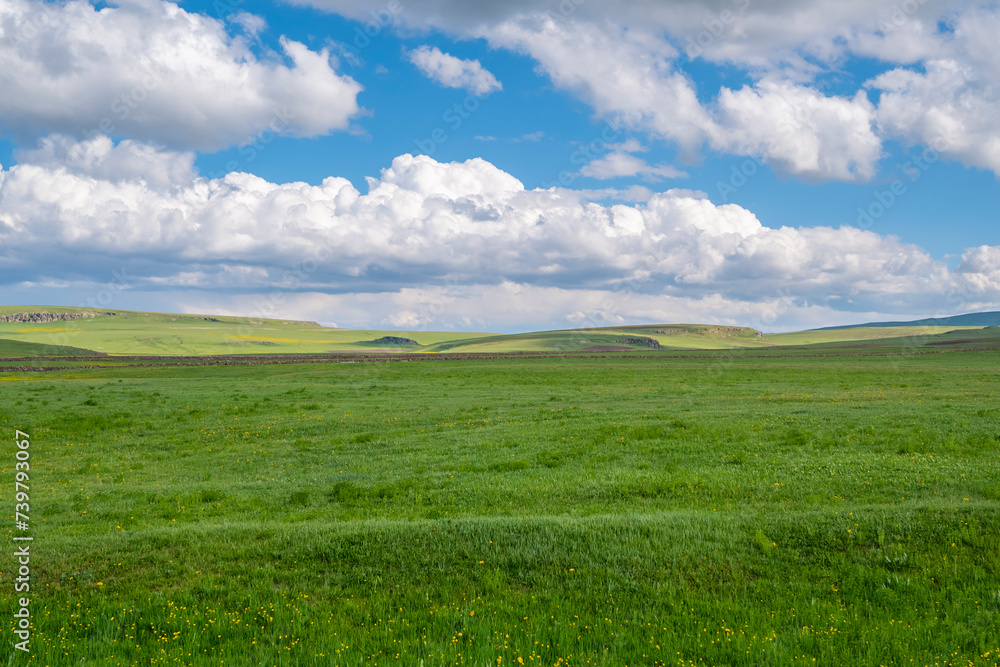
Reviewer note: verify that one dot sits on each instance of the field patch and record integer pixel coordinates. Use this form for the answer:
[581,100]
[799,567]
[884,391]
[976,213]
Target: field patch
[624,509]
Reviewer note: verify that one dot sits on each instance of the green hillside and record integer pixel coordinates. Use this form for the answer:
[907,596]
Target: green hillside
[628,338]
[61,331]
[836,336]
[985,319]
[123,332]
[15,348]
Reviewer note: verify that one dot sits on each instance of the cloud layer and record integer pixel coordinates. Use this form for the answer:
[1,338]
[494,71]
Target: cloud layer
[424,222]
[627,61]
[151,71]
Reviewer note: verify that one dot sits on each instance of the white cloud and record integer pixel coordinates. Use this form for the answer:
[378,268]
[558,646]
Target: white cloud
[980,267]
[800,131]
[630,79]
[251,24]
[622,75]
[950,106]
[533,137]
[151,71]
[100,158]
[950,102]
[761,35]
[453,72]
[626,59]
[621,163]
[423,222]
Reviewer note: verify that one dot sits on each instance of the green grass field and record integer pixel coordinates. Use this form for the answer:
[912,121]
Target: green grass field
[15,349]
[724,510]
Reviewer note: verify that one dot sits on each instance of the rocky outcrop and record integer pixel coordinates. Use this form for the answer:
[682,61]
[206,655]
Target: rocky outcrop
[395,340]
[733,331]
[715,331]
[43,317]
[639,340]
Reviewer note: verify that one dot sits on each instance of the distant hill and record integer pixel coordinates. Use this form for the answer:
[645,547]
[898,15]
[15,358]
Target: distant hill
[142,333]
[988,319]
[28,331]
[634,338]
[16,348]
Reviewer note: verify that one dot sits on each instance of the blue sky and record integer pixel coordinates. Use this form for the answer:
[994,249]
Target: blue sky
[503,167]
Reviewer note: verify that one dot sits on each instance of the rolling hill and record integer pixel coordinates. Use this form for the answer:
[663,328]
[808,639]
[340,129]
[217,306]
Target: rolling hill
[985,319]
[61,331]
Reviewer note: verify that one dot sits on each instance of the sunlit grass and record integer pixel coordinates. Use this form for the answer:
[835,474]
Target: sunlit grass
[564,512]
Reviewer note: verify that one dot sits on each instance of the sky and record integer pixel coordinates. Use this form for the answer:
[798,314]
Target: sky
[484,166]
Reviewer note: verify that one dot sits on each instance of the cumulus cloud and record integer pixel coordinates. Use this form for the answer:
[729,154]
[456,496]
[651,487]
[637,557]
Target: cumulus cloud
[949,102]
[621,74]
[620,162]
[981,268]
[101,159]
[627,59]
[800,131]
[950,106]
[152,71]
[427,222]
[631,79]
[765,35]
[251,24]
[452,72]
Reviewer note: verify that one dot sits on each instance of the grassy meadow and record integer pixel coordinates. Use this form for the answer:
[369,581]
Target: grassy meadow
[145,333]
[124,333]
[725,510]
